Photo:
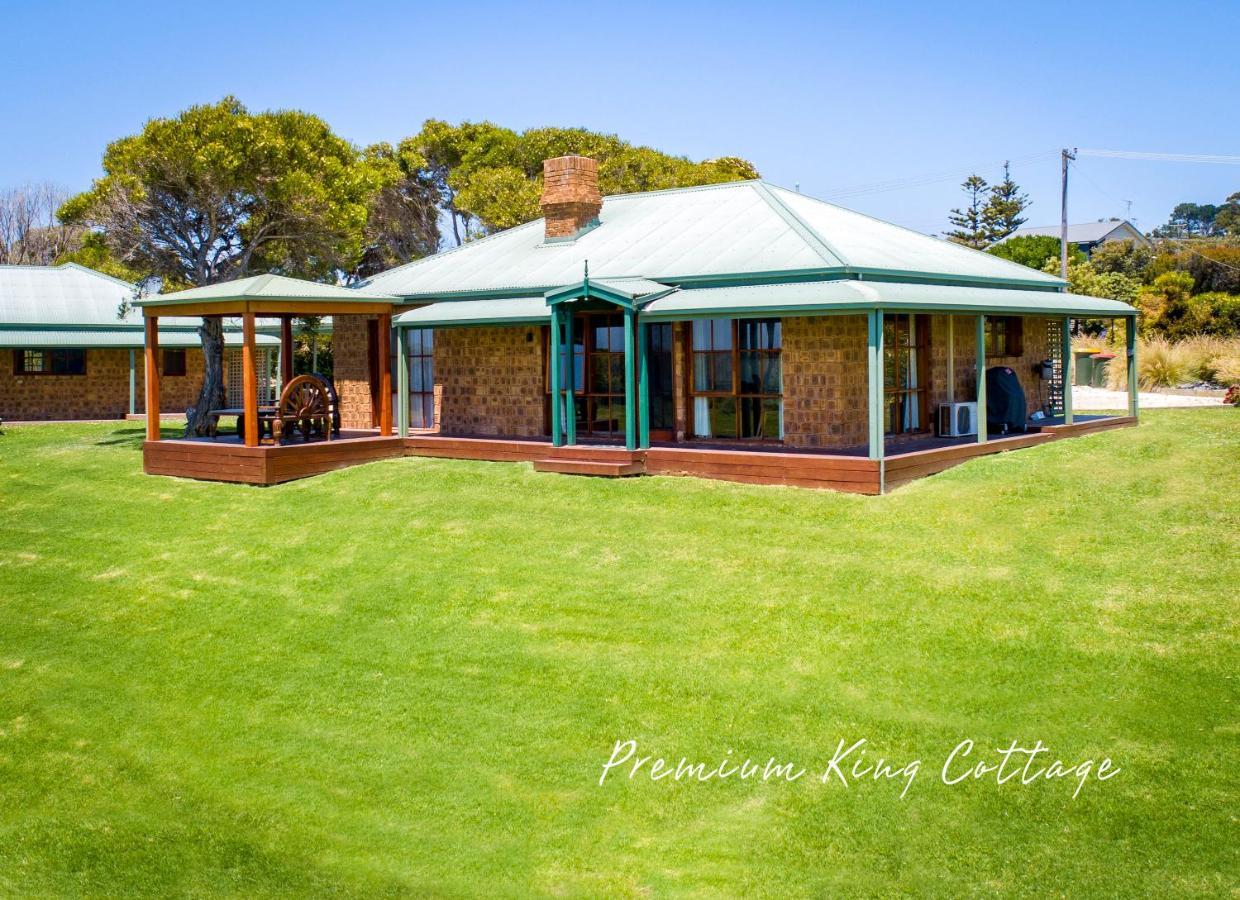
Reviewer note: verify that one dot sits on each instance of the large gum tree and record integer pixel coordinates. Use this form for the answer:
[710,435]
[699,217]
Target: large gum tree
[218,193]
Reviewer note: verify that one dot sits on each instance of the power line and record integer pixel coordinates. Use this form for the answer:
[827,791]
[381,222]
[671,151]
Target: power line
[912,181]
[1166,157]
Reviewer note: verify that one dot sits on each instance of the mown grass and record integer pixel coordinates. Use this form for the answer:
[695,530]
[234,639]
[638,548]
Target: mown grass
[404,678]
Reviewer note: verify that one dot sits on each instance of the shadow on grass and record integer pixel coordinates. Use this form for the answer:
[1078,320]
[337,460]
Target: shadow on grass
[134,437]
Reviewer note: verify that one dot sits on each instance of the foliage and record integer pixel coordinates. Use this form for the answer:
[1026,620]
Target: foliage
[1164,363]
[212,689]
[1122,257]
[1170,308]
[970,221]
[1084,279]
[1189,220]
[1003,210]
[403,223]
[1232,396]
[92,251]
[489,177]
[29,232]
[1227,219]
[1037,251]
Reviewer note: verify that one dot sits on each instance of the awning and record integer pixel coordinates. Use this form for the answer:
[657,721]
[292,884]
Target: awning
[820,297]
[116,338]
[514,311]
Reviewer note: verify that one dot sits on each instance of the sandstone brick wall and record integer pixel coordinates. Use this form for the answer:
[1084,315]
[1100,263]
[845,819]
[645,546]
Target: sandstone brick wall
[825,387]
[492,381]
[351,370]
[1034,349]
[102,393]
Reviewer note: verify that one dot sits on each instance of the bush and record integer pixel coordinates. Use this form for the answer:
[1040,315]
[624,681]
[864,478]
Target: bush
[1162,363]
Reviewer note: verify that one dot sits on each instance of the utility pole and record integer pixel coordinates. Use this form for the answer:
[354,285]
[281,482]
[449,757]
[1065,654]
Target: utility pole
[1064,156]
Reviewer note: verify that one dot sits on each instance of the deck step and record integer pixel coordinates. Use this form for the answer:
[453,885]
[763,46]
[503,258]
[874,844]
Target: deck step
[602,468]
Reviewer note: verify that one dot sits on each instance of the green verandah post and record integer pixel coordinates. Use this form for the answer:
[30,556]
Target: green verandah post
[630,409]
[1130,338]
[570,380]
[557,435]
[133,382]
[874,368]
[402,381]
[981,379]
[643,385]
[1067,368]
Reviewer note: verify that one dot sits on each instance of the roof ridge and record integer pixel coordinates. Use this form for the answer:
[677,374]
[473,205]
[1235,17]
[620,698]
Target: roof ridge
[932,237]
[715,185]
[89,271]
[812,238]
[442,253]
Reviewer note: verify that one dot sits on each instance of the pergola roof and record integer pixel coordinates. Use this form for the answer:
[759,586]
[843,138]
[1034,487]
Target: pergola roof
[268,294]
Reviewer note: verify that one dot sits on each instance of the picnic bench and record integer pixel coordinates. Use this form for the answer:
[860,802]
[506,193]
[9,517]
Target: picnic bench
[308,404]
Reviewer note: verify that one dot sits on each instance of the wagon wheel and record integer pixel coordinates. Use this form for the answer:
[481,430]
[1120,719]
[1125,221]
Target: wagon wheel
[304,399]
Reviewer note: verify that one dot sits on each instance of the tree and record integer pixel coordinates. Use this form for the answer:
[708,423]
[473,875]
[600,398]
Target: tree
[1002,213]
[1125,257]
[1227,219]
[403,224]
[1189,220]
[92,251]
[490,178]
[218,193]
[30,235]
[970,223]
[1034,251]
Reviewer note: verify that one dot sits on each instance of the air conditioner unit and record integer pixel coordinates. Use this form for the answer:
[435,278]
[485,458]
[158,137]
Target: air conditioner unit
[956,419]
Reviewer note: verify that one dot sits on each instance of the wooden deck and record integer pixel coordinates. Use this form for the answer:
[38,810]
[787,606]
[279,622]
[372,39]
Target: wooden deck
[227,459]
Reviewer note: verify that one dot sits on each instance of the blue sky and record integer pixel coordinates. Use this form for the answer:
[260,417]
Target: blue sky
[828,96]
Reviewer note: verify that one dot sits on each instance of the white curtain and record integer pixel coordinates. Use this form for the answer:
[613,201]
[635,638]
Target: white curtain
[701,417]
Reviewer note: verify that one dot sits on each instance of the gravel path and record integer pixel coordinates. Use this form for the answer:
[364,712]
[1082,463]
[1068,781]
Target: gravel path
[1084,398]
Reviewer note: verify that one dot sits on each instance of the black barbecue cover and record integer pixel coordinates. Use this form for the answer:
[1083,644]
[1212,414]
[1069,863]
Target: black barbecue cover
[1005,400]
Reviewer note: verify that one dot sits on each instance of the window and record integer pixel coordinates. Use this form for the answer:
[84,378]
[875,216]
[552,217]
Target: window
[659,371]
[1004,336]
[736,379]
[49,362]
[174,363]
[421,362]
[905,357]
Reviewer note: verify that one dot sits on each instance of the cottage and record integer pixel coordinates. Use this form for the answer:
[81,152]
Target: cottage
[1089,236]
[739,331]
[66,353]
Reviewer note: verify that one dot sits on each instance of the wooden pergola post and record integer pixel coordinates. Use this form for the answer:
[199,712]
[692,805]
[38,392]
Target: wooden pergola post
[630,406]
[980,364]
[1067,368]
[249,379]
[286,350]
[557,430]
[152,378]
[385,374]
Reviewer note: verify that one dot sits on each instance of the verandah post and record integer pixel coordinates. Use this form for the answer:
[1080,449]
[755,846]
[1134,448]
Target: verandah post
[1130,339]
[980,343]
[249,379]
[557,435]
[874,370]
[570,380]
[385,374]
[630,409]
[152,378]
[402,381]
[643,384]
[1067,368]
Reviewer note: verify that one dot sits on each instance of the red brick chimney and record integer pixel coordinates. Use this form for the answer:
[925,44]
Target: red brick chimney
[570,200]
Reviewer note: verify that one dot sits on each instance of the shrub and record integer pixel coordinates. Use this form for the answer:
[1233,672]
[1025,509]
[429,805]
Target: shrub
[1164,363]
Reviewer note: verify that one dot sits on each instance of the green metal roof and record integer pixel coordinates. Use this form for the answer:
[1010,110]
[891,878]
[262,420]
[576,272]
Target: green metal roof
[268,287]
[118,338]
[845,295]
[513,311]
[68,294]
[746,232]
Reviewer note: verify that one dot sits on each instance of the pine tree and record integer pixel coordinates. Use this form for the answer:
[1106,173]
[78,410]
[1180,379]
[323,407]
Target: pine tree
[1002,214]
[970,225]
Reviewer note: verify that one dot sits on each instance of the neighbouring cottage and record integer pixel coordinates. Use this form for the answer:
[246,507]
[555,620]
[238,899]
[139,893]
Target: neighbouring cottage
[67,353]
[739,331]
[1089,236]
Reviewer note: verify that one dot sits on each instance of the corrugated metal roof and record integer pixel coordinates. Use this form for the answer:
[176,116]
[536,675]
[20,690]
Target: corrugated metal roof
[1085,232]
[267,287]
[835,296]
[738,229]
[630,287]
[114,338]
[513,311]
[61,295]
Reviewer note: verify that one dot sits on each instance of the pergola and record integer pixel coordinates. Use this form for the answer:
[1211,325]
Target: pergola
[266,296]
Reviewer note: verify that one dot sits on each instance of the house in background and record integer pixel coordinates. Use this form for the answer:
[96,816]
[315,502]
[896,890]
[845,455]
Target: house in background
[737,331]
[66,354]
[1089,235]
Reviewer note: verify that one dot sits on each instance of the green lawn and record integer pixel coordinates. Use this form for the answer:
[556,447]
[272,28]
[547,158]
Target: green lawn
[405,678]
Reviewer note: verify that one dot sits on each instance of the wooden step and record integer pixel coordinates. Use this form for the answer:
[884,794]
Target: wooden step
[596,467]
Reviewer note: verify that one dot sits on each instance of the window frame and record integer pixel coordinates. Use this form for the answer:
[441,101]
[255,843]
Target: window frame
[920,344]
[737,395]
[584,398]
[173,353]
[52,356]
[425,354]
[1012,329]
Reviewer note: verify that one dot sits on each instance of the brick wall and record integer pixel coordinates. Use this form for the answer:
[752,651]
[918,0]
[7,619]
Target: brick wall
[1034,350]
[102,393]
[351,370]
[492,381]
[825,387]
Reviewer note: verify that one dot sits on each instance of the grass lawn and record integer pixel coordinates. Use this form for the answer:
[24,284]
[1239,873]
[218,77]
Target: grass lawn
[405,678]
